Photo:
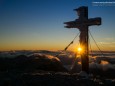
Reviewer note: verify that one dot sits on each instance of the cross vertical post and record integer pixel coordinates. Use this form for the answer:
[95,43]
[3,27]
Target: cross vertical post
[82,24]
[83,16]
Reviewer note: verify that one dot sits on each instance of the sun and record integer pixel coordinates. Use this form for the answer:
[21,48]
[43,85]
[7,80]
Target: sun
[79,49]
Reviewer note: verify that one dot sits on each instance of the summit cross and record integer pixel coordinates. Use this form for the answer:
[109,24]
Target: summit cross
[82,23]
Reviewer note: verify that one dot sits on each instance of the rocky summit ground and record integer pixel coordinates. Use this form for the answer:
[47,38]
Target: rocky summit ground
[14,78]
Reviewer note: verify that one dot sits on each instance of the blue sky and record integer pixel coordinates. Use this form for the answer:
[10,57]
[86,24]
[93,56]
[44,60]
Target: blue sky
[38,24]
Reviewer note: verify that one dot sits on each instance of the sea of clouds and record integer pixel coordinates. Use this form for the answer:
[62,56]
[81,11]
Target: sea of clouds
[97,60]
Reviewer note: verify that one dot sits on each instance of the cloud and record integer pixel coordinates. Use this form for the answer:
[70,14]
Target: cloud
[109,39]
[113,42]
[112,45]
[107,43]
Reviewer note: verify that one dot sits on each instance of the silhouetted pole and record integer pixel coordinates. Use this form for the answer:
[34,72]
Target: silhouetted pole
[82,24]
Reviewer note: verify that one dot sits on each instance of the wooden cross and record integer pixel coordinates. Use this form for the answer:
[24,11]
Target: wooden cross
[82,24]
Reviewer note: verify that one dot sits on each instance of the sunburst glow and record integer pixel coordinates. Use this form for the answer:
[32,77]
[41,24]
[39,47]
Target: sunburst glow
[79,49]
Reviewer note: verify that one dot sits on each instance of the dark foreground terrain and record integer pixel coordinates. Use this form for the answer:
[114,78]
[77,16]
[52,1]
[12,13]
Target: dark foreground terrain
[51,79]
[43,70]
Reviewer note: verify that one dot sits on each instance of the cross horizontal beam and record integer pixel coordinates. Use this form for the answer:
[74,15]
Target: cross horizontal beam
[78,23]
